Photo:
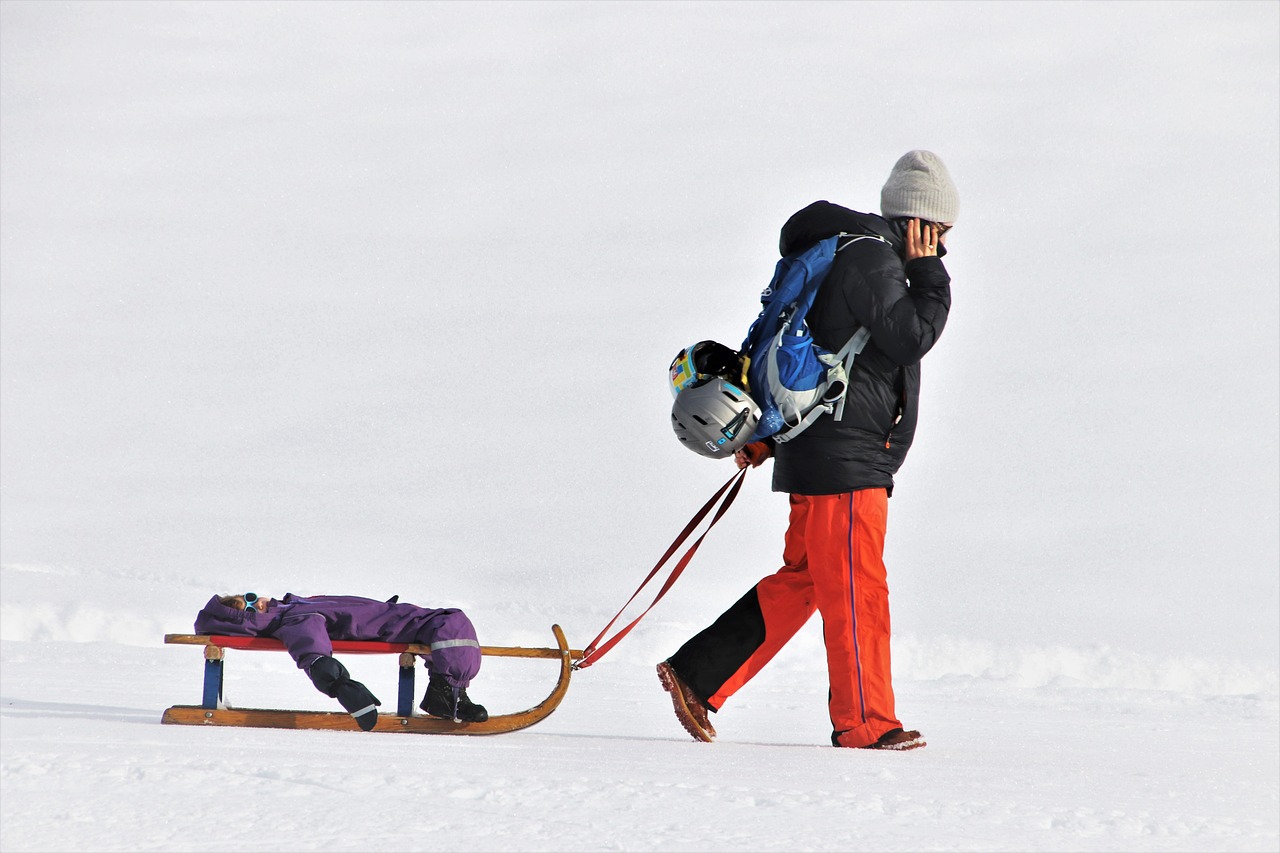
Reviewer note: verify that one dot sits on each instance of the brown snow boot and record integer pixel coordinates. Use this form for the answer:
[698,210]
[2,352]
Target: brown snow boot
[690,710]
[894,739]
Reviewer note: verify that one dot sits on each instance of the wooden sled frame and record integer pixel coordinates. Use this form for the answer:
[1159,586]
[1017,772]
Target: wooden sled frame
[213,712]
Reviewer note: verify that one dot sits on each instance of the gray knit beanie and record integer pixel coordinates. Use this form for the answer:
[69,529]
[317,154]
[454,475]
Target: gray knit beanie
[920,187]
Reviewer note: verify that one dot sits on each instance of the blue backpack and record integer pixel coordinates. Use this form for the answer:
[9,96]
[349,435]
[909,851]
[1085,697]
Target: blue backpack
[791,378]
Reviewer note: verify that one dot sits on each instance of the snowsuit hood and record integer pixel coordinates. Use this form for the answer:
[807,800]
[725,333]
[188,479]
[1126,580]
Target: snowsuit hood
[219,618]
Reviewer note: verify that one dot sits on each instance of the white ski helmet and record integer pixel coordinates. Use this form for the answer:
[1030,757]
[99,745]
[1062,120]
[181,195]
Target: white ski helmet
[714,417]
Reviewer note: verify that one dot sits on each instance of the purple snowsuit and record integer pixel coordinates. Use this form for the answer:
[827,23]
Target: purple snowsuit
[307,626]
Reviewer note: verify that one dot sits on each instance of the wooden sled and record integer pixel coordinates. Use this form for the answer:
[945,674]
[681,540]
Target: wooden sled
[213,712]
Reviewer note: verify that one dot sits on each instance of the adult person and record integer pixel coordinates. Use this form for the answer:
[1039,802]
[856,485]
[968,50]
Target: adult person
[307,625]
[839,472]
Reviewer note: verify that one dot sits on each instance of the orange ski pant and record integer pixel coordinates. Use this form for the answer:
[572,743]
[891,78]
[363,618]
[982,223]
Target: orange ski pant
[833,562]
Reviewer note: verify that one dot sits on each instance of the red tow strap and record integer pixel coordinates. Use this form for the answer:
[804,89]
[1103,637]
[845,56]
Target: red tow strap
[593,652]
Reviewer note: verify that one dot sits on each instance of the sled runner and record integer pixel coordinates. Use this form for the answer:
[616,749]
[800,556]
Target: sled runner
[214,712]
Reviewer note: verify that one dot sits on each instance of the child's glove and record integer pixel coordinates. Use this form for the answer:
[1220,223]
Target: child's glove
[332,679]
[360,703]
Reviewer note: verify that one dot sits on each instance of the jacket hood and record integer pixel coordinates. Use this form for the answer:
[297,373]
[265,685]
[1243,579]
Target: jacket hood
[822,219]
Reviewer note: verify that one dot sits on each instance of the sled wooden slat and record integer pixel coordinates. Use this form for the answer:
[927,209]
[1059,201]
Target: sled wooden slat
[214,713]
[263,718]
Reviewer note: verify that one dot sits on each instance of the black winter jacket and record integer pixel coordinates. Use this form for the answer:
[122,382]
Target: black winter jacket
[905,309]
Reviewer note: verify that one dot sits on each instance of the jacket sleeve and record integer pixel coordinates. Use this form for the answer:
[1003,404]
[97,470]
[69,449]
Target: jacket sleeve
[305,635]
[905,309]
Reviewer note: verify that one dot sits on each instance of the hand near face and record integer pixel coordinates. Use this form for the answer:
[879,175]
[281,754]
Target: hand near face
[922,239]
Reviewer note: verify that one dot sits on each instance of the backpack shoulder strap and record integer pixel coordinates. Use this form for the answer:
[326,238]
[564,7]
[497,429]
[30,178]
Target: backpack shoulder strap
[851,350]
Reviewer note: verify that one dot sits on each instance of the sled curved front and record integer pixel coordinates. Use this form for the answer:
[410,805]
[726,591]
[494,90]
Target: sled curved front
[335,720]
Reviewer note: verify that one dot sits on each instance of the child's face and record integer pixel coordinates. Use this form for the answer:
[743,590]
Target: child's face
[259,605]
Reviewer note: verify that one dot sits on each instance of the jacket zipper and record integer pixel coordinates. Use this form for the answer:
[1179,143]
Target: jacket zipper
[897,418]
[889,435]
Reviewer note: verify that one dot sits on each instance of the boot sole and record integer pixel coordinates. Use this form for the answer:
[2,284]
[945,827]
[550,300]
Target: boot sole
[691,725]
[452,718]
[903,746]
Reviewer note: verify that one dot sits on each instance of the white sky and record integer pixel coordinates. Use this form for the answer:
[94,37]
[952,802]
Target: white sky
[294,289]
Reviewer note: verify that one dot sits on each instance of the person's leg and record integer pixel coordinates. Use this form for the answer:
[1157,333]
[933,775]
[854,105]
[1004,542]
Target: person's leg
[846,559]
[718,661]
[455,660]
[455,650]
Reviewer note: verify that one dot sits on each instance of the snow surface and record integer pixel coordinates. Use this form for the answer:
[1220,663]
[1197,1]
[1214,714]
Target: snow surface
[378,298]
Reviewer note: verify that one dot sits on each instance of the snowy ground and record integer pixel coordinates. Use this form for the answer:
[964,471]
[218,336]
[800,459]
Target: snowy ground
[247,253]
[1030,749]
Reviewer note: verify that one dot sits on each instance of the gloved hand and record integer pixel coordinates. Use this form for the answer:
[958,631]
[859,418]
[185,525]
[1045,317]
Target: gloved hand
[754,454]
[332,679]
[360,703]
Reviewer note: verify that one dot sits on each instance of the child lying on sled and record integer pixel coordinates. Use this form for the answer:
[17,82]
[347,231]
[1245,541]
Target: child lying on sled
[308,625]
